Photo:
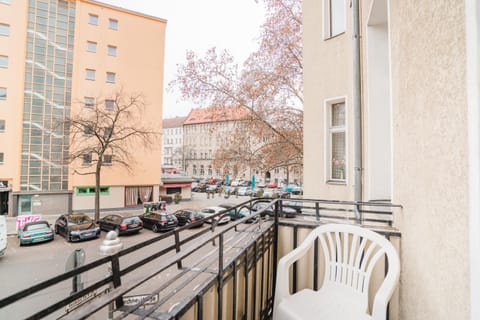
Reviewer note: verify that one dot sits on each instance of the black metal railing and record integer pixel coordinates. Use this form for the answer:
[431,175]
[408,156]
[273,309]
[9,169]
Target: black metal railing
[233,266]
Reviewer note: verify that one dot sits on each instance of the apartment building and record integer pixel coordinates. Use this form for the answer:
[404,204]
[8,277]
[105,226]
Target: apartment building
[172,144]
[56,57]
[391,114]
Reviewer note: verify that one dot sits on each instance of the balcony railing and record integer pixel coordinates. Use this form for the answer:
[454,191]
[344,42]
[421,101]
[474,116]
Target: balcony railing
[214,273]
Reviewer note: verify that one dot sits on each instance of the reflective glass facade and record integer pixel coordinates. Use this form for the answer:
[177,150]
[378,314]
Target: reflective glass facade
[47,99]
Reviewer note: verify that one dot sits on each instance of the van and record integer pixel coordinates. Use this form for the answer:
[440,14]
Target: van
[3,235]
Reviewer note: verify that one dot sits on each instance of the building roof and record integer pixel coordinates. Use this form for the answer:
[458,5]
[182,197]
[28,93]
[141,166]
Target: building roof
[216,114]
[173,122]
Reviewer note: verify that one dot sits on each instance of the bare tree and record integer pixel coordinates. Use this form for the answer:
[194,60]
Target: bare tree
[108,132]
[270,85]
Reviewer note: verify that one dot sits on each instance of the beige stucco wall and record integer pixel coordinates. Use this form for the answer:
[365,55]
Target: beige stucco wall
[137,71]
[11,109]
[328,75]
[430,156]
[429,137]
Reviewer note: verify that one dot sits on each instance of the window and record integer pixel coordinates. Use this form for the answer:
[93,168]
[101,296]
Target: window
[109,104]
[87,159]
[91,46]
[88,130]
[3,93]
[4,29]
[1,157]
[336,140]
[111,77]
[107,132]
[3,62]
[334,17]
[90,74]
[89,191]
[2,125]
[89,102]
[202,170]
[112,51]
[107,160]
[93,19]
[6,1]
[113,24]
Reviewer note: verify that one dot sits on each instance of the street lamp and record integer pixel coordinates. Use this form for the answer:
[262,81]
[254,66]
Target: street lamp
[111,245]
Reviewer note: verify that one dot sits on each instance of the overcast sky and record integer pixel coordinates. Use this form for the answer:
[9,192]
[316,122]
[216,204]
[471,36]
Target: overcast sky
[199,25]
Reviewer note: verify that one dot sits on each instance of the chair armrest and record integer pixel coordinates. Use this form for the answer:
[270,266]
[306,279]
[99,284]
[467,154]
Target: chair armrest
[283,282]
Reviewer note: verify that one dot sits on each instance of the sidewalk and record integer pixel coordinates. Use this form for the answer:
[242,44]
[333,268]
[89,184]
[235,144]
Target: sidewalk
[198,201]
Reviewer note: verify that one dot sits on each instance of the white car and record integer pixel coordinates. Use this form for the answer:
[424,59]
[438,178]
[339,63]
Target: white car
[3,235]
[244,191]
[210,211]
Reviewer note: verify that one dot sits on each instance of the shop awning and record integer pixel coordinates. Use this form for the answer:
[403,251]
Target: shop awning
[176,185]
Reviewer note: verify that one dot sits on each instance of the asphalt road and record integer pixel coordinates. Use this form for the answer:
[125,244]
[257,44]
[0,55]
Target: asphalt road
[24,266]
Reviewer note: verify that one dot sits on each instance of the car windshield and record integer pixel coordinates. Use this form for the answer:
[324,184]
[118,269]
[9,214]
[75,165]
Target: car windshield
[37,226]
[77,220]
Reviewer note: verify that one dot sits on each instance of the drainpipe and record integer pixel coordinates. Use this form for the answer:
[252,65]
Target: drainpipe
[357,108]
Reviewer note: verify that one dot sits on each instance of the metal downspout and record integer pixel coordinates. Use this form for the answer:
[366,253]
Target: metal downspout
[357,108]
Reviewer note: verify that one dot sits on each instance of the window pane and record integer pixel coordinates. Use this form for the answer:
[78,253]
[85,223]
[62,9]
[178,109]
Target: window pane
[4,29]
[3,61]
[2,125]
[93,19]
[90,74]
[338,114]
[109,104]
[1,157]
[91,46]
[112,51]
[113,24]
[338,155]
[337,11]
[3,93]
[89,102]
[111,77]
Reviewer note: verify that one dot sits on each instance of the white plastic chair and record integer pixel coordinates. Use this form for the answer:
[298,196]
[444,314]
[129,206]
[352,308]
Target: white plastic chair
[351,253]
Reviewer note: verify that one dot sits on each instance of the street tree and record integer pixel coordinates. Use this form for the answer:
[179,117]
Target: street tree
[269,84]
[107,133]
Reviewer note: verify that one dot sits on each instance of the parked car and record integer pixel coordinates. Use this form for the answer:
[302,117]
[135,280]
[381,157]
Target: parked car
[297,205]
[293,189]
[210,211]
[159,221]
[286,212]
[187,216]
[272,185]
[244,191]
[76,227]
[121,225]
[35,232]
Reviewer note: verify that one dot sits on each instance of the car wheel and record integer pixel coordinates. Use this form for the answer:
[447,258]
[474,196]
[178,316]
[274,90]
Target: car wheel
[20,244]
[69,237]
[155,228]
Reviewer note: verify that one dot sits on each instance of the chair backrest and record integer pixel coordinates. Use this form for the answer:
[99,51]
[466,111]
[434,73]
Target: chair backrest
[351,253]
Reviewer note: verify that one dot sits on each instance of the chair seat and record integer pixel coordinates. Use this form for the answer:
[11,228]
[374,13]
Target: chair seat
[321,305]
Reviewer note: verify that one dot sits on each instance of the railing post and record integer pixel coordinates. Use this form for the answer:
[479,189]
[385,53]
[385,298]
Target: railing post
[220,276]
[275,251]
[177,248]
[317,211]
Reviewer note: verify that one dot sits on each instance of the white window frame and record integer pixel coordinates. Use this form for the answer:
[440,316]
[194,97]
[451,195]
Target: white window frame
[328,31]
[113,24]
[91,46]
[3,61]
[109,77]
[93,19]
[90,72]
[329,130]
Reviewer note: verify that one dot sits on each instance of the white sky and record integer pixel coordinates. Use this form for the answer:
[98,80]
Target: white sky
[198,25]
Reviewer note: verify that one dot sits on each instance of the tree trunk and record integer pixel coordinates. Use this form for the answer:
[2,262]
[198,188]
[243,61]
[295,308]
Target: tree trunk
[97,192]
